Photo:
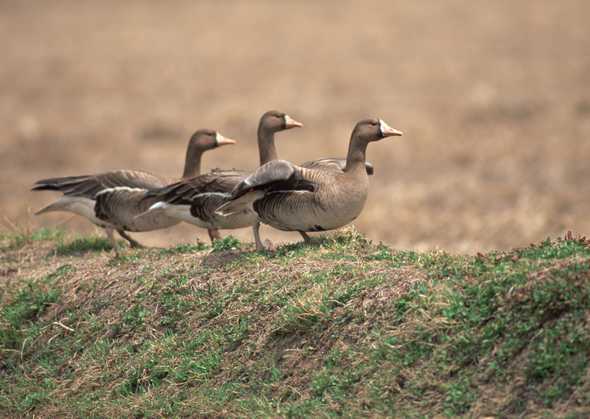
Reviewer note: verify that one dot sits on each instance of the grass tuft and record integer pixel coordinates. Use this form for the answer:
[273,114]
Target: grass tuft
[83,245]
[13,241]
[184,248]
[226,244]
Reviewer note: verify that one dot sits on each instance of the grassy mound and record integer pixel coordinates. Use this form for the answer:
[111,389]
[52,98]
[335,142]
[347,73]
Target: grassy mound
[344,327]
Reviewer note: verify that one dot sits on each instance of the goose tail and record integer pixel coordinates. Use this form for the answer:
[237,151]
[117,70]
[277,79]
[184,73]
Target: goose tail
[58,205]
[59,183]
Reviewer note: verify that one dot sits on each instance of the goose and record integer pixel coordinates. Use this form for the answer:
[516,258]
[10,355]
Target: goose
[271,154]
[289,197]
[112,199]
[194,200]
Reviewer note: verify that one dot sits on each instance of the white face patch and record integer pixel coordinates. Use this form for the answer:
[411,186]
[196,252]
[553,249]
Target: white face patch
[382,127]
[290,122]
[218,137]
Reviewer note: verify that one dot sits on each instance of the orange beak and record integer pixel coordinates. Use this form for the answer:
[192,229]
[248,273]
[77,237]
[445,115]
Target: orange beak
[387,131]
[291,123]
[221,140]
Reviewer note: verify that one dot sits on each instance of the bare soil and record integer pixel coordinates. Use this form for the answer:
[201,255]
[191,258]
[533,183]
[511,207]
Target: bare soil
[494,98]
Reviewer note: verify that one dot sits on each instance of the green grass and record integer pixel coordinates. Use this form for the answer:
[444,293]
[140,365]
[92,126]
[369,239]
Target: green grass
[83,245]
[77,246]
[341,327]
[184,248]
[12,241]
[20,316]
[226,243]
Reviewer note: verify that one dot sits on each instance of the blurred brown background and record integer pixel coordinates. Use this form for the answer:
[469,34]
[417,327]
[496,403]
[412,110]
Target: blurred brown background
[494,98]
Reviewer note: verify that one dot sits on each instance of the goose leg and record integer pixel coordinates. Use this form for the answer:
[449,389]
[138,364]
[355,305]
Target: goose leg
[305,236]
[111,238]
[133,243]
[256,230]
[213,234]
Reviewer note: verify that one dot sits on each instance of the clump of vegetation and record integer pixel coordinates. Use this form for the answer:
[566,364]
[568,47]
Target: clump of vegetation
[13,241]
[184,248]
[226,243]
[83,245]
[339,327]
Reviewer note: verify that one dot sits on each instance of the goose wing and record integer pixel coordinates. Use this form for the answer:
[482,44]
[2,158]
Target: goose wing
[119,202]
[124,208]
[182,192]
[88,186]
[330,163]
[276,175]
[204,205]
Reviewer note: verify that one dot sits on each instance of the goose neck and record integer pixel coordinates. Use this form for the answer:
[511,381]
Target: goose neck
[356,155]
[266,145]
[192,163]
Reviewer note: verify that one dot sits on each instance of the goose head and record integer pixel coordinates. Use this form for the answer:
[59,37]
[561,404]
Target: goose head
[206,139]
[275,121]
[200,142]
[369,130]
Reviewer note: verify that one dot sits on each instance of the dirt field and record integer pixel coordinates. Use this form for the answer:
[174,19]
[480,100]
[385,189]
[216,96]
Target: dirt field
[494,98]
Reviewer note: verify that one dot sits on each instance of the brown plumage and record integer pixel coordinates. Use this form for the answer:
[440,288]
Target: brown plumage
[337,164]
[113,199]
[317,197]
[182,192]
[268,152]
[88,186]
[195,200]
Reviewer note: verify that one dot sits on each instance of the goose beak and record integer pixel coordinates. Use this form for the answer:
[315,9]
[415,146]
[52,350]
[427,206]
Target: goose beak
[291,123]
[221,140]
[387,131]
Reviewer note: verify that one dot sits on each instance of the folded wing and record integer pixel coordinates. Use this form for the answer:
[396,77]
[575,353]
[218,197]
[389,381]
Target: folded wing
[274,176]
[183,191]
[87,186]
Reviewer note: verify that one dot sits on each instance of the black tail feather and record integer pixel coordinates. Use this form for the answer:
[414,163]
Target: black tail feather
[58,183]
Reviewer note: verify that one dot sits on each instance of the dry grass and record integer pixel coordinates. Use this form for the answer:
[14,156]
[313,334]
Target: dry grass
[493,97]
[342,327]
